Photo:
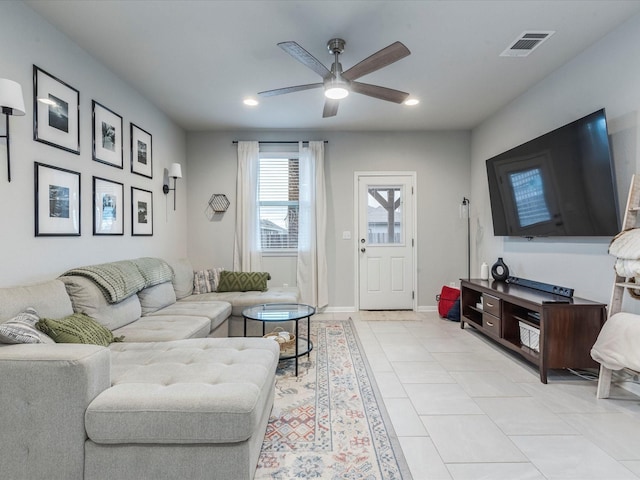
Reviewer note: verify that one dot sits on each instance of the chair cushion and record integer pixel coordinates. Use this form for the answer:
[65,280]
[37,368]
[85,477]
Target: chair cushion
[216,312]
[212,390]
[49,299]
[87,298]
[242,300]
[163,328]
[156,297]
[182,277]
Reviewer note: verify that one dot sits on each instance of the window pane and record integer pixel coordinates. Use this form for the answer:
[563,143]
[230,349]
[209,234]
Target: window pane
[531,204]
[278,203]
[384,215]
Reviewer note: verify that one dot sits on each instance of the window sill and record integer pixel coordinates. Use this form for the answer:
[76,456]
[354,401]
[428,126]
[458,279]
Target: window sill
[279,253]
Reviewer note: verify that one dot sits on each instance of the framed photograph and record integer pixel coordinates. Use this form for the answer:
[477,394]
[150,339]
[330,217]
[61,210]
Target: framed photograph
[56,112]
[107,136]
[108,203]
[141,152]
[57,201]
[141,212]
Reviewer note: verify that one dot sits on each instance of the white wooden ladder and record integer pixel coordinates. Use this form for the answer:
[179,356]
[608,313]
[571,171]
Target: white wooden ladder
[621,284]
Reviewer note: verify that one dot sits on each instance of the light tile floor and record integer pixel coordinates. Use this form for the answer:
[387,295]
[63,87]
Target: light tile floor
[464,408]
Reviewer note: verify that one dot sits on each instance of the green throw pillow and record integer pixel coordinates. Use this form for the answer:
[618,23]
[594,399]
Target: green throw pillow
[243,281]
[77,328]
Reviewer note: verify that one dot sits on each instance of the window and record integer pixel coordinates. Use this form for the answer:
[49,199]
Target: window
[278,182]
[528,190]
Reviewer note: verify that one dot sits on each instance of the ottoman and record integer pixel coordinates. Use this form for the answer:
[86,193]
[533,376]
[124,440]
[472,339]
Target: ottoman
[195,408]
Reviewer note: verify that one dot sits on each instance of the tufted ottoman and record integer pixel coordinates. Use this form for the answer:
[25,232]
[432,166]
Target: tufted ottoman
[195,408]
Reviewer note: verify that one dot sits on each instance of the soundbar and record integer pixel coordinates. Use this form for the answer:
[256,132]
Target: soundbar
[544,287]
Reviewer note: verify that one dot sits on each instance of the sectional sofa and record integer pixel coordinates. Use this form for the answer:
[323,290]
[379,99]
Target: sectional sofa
[175,399]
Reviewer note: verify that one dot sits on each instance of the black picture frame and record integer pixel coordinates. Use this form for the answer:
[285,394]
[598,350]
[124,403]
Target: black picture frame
[56,112]
[108,207]
[141,152]
[141,212]
[107,144]
[57,201]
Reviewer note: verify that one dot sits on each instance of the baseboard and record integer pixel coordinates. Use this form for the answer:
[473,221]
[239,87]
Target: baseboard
[427,308]
[339,310]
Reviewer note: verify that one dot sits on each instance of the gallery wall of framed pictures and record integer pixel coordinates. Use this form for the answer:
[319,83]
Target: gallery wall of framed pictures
[58,122]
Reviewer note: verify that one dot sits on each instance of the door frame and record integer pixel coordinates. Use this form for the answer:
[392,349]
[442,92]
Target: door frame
[414,225]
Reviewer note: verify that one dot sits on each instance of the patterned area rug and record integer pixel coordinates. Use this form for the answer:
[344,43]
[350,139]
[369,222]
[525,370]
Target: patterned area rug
[330,422]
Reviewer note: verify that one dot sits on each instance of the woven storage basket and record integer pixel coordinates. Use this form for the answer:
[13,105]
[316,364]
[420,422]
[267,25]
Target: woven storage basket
[284,344]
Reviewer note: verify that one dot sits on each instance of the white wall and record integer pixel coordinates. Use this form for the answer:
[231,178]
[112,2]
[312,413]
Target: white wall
[605,75]
[26,39]
[441,160]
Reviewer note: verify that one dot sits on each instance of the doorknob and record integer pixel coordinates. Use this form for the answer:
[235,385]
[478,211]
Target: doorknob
[363,249]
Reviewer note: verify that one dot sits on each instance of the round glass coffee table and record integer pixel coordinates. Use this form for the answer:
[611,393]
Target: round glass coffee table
[283,312]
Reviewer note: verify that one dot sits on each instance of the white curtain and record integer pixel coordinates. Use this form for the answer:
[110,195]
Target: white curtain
[247,255]
[312,223]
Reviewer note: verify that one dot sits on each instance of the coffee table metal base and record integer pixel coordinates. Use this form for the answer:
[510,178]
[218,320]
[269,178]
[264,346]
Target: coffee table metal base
[290,313]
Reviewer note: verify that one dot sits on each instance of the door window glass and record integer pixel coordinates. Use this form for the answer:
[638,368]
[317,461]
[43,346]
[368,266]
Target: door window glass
[384,215]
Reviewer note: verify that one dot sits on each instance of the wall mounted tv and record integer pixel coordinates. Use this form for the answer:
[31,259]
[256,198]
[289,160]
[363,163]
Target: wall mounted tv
[559,184]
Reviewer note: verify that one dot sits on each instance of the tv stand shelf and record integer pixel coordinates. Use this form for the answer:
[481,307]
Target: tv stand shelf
[568,327]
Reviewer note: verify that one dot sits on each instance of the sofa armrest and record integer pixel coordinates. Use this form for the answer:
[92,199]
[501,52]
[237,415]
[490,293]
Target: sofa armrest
[45,392]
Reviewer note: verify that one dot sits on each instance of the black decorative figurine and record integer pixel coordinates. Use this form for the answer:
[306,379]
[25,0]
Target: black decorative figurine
[499,270]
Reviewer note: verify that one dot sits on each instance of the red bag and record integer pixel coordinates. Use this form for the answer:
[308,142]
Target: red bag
[446,299]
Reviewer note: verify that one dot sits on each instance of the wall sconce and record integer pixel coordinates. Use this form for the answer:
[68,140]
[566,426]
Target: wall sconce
[12,103]
[175,172]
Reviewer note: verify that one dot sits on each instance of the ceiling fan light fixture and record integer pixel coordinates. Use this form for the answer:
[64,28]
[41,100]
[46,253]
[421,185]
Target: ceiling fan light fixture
[411,102]
[336,92]
[251,102]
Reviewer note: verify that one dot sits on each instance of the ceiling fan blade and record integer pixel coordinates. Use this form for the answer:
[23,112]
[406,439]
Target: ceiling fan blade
[304,57]
[330,108]
[383,93]
[297,88]
[382,58]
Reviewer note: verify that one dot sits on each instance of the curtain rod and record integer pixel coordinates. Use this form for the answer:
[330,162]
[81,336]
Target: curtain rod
[290,141]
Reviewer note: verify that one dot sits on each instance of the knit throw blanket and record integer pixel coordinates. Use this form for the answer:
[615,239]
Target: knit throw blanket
[120,280]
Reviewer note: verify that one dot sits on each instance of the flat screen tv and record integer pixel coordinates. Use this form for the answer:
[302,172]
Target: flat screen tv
[559,184]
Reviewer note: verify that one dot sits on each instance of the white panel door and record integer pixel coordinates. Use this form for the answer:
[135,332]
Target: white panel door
[385,241]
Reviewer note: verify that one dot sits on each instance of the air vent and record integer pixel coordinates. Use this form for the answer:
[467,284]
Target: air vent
[526,43]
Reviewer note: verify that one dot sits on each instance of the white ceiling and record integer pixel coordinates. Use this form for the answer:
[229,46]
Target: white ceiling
[197,60]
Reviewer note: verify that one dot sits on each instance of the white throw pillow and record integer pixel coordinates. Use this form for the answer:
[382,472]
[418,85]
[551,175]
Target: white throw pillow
[22,329]
[205,281]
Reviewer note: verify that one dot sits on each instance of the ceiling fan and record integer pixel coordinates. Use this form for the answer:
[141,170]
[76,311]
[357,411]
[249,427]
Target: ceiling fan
[337,84]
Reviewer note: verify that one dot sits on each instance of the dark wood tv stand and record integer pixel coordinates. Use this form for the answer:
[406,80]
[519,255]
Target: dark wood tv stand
[568,327]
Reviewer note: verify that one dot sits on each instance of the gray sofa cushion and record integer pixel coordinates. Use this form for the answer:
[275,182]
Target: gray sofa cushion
[49,299]
[242,300]
[163,328]
[215,311]
[189,391]
[156,297]
[182,277]
[87,298]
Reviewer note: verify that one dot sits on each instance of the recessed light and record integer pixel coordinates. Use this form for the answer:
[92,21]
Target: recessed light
[251,102]
[411,102]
